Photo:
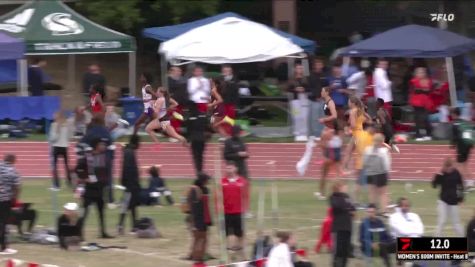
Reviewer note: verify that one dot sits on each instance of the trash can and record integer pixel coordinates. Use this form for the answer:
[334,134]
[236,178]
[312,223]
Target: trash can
[132,108]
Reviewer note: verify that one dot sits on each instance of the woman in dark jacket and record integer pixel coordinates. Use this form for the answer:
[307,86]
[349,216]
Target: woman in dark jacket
[343,211]
[130,180]
[200,216]
[451,194]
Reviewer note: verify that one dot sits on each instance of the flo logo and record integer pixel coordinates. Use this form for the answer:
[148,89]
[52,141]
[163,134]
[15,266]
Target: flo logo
[406,243]
[442,17]
[61,24]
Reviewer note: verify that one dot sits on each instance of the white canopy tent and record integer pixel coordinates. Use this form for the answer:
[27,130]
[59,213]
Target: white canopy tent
[229,40]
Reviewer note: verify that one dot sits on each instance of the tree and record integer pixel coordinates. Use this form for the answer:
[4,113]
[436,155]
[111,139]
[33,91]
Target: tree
[180,8]
[117,14]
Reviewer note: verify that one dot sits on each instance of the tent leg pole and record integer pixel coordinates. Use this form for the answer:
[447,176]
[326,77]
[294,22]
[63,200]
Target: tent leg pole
[132,72]
[22,69]
[72,72]
[449,64]
[163,71]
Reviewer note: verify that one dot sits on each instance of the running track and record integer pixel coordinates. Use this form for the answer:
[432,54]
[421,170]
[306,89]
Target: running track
[415,161]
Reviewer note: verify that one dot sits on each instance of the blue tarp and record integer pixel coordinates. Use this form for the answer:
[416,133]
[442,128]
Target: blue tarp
[8,71]
[413,41]
[169,32]
[11,48]
[28,107]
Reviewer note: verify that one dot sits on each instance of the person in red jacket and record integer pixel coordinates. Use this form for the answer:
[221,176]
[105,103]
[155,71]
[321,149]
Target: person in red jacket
[419,98]
[234,190]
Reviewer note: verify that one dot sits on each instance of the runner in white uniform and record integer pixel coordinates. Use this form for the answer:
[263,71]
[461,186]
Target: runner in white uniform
[161,119]
[147,97]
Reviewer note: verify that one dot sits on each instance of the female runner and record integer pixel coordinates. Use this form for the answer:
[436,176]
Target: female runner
[329,136]
[147,97]
[161,119]
[361,139]
[217,107]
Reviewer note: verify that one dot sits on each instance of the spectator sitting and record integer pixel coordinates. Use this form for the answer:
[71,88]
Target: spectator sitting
[404,223]
[374,237]
[69,226]
[22,212]
[280,255]
[471,234]
[156,189]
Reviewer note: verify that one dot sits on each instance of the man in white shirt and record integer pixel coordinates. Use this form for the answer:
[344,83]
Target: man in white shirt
[382,84]
[199,89]
[404,223]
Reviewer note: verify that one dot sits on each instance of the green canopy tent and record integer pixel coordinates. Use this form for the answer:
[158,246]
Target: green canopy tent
[52,28]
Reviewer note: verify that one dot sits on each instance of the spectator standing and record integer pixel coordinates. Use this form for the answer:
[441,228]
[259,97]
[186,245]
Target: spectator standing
[420,89]
[317,80]
[198,132]
[451,195]
[299,87]
[199,89]
[92,171]
[69,227]
[93,76]
[59,135]
[357,83]
[178,91]
[376,165]
[131,181]
[382,84]
[462,139]
[96,130]
[325,233]
[279,255]
[404,223]
[339,91]
[374,237]
[229,93]
[343,212]
[9,191]
[36,76]
[200,216]
[235,150]
[234,189]
[116,126]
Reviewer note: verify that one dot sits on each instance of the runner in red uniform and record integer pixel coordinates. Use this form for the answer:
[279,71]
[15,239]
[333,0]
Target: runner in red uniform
[97,105]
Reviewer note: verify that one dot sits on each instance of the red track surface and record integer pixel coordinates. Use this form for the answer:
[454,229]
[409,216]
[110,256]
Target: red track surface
[415,161]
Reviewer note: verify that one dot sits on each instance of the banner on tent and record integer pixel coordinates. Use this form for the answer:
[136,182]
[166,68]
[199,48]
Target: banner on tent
[76,46]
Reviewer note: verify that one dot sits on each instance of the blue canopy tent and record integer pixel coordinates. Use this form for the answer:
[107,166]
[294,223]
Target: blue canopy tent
[169,32]
[11,49]
[415,41]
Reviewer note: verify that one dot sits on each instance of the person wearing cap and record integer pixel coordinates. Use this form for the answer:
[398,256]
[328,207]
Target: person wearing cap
[235,150]
[9,191]
[130,180]
[69,226]
[374,237]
